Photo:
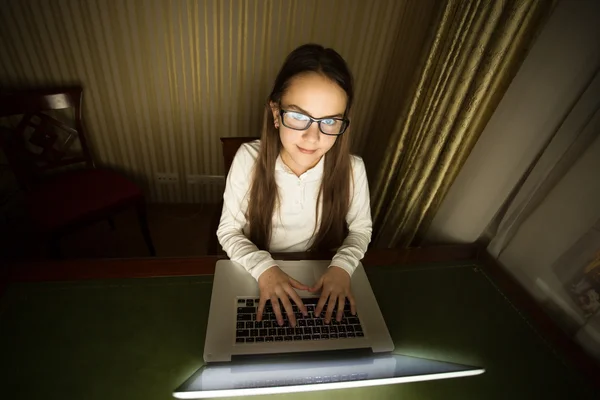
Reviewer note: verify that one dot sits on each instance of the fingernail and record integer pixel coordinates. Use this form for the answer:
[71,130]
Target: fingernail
[326,321]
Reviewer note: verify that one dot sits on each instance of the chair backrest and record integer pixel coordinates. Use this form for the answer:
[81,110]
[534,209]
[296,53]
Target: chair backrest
[230,147]
[39,140]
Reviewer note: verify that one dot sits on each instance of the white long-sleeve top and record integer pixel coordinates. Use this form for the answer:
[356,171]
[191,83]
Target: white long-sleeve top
[294,221]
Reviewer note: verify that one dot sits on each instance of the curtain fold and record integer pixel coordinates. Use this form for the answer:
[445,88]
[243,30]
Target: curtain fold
[474,52]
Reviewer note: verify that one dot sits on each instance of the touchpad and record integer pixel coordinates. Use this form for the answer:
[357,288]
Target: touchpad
[303,273]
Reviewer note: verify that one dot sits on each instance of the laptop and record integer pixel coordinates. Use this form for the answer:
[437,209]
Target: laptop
[244,356]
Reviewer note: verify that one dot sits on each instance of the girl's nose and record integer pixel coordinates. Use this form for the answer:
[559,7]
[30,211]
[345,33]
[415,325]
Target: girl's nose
[312,134]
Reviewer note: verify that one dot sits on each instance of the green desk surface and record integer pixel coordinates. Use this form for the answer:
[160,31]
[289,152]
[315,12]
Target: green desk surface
[140,338]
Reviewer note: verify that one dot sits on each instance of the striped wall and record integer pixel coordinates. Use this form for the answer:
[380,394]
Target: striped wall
[164,80]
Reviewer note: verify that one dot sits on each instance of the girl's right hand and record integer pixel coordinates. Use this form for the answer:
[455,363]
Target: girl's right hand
[276,285]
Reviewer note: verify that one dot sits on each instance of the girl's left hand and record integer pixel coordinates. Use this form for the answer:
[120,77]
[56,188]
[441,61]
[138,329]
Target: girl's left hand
[335,286]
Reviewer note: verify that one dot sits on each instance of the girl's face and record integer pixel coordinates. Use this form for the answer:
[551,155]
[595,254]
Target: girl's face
[316,96]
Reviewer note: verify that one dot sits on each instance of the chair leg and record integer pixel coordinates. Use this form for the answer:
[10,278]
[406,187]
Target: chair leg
[143,221]
[111,223]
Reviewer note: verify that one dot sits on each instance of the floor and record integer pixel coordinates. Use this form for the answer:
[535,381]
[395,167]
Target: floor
[178,230]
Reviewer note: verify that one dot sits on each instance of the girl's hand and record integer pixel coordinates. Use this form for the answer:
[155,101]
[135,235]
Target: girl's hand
[276,285]
[335,285]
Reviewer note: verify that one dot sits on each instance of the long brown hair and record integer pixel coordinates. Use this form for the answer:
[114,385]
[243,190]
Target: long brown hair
[335,184]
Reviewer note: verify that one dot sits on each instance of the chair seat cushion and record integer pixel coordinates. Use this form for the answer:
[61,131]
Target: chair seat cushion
[79,196]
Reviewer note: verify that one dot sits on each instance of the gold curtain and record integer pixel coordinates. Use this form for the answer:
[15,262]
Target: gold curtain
[475,51]
[163,79]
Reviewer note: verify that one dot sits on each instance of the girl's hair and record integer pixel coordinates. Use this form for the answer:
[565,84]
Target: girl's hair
[335,185]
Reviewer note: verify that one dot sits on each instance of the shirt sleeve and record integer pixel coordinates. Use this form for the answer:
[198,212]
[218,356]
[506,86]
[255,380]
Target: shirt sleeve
[233,217]
[359,221]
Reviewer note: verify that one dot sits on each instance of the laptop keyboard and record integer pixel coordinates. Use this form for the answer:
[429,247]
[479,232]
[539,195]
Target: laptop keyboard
[311,327]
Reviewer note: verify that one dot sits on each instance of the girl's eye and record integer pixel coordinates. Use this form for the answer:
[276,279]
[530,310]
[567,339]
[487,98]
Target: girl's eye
[328,121]
[298,116]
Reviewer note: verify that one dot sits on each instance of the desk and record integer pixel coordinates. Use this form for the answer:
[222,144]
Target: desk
[134,329]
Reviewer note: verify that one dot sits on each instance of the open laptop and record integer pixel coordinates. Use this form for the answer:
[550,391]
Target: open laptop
[245,356]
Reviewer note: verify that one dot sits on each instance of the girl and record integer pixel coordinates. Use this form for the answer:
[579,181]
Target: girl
[298,188]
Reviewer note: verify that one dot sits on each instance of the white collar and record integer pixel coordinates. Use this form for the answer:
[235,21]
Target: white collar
[314,173]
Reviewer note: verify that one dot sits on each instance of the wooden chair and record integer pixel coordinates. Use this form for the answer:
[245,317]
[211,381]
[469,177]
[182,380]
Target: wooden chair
[40,148]
[230,147]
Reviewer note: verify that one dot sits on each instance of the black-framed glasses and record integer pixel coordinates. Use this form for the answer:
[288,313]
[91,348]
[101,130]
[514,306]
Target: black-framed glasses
[300,122]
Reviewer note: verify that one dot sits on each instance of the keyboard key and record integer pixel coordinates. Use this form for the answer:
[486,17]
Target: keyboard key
[307,330]
[250,302]
[359,334]
[310,322]
[316,337]
[287,338]
[253,332]
[349,328]
[341,329]
[289,331]
[294,307]
[239,340]
[279,338]
[240,325]
[253,317]
[263,332]
[246,310]
[350,334]
[249,324]
[353,320]
[242,301]
[310,300]
[316,329]
[302,322]
[267,324]
[298,337]
[357,328]
[333,329]
[298,331]
[281,331]
[260,339]
[258,324]
[333,336]
[306,337]
[319,322]
[298,315]
[342,335]
[324,336]
[272,331]
[244,317]
[269,339]
[249,340]
[242,333]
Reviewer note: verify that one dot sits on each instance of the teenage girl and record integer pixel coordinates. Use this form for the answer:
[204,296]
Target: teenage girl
[298,188]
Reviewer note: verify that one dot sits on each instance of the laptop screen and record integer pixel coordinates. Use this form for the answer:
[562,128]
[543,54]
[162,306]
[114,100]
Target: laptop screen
[313,372]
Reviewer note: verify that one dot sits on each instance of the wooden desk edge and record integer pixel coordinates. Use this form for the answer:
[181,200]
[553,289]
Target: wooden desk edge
[50,270]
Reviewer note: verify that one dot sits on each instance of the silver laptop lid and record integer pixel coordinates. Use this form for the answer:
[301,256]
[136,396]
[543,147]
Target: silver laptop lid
[310,372]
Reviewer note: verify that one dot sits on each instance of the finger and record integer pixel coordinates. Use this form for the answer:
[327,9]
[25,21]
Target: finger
[317,286]
[261,308]
[294,296]
[298,285]
[330,307]
[352,303]
[285,300]
[276,309]
[340,307]
[321,303]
